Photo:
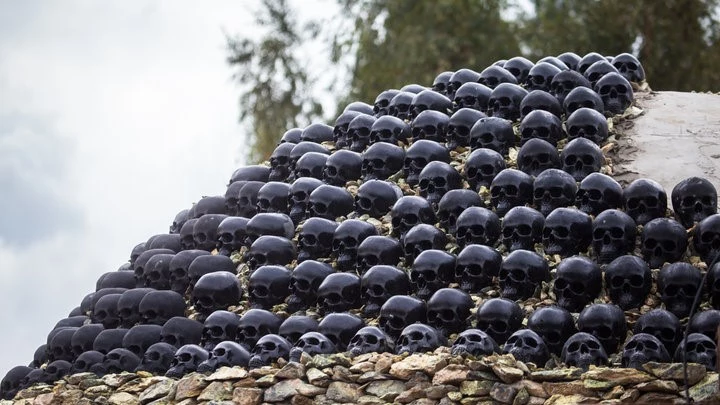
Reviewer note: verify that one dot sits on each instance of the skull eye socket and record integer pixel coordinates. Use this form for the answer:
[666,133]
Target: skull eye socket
[552,337]
[215,331]
[169,339]
[319,208]
[429,276]
[299,196]
[573,347]
[651,345]
[371,339]
[592,344]
[616,232]
[523,230]
[410,219]
[603,332]
[184,357]
[517,274]
[415,335]
[259,291]
[669,245]
[561,232]
[617,282]
[225,238]
[561,283]
[511,191]
[308,240]
[577,288]
[263,203]
[487,170]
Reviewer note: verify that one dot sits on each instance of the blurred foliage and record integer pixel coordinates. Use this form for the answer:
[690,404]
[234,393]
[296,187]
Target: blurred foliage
[387,44]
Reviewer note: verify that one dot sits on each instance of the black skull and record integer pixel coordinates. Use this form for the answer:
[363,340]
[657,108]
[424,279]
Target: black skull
[460,77]
[255,324]
[477,225]
[382,102]
[662,324]
[105,311]
[157,307]
[340,136]
[440,83]
[179,331]
[613,235]
[522,228]
[521,274]
[340,292]
[564,82]
[429,100]
[540,76]
[422,237]
[581,157]
[348,236]
[482,166]
[645,200]
[220,326]
[120,360]
[311,164]
[693,199]
[279,164]
[541,100]
[448,310]
[205,231]
[580,97]
[460,124]
[108,340]
[629,67]
[597,70]
[700,349]
[268,286]
[138,250]
[165,241]
[510,188]
[206,264]
[499,318]
[360,107]
[186,360]
[663,240]
[567,232]
[400,105]
[615,92]
[586,61]
[707,238]
[140,337]
[342,166]
[273,197]
[180,263]
[231,234]
[371,339]
[537,155]
[553,188]
[315,239]
[312,343]
[505,101]
[295,326]
[300,150]
[140,264]
[492,133]
[409,211]
[186,235]
[390,130]
[340,328]
[431,125]
[678,283]
[453,203]
[713,285]
[379,284]
[598,192]
[473,96]
[317,132]
[527,346]
[55,371]
[270,250]
[12,382]
[268,350]
[216,204]
[382,160]
[59,346]
[606,322]
[85,361]
[128,306]
[587,123]
[246,173]
[216,290]
[583,350]
[543,125]
[376,197]
[476,266]
[570,59]
[157,271]
[706,322]
[432,270]
[419,338]
[157,358]
[378,250]
[330,202]
[474,342]
[300,196]
[83,338]
[305,281]
[519,67]
[493,76]
[419,154]
[400,311]
[578,281]
[643,348]
[554,325]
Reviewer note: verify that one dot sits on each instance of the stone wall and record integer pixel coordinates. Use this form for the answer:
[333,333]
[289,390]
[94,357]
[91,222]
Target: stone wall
[437,378]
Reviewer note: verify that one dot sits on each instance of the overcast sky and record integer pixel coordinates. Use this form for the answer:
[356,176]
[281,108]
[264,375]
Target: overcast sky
[114,116]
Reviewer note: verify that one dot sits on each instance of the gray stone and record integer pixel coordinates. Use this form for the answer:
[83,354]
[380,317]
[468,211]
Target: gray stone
[343,392]
[386,390]
[160,389]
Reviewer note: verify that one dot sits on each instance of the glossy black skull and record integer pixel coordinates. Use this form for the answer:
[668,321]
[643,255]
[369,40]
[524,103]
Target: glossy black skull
[430,100]
[342,166]
[216,204]
[598,192]
[268,350]
[499,318]
[475,267]
[305,281]
[643,348]
[371,339]
[379,284]
[700,349]
[244,173]
[216,290]
[359,106]
[707,238]
[422,237]
[179,331]
[519,67]
[55,371]
[300,150]
[312,343]
[540,76]
[578,281]
[553,188]
[108,340]
[348,236]
[505,101]
[474,342]
[663,240]
[83,338]
[693,199]
[157,271]
[540,100]
[300,196]
[554,325]
[482,166]
[255,324]
[527,346]
[315,239]
[390,130]
[581,157]
[381,160]
[474,97]
[295,326]
[141,262]
[629,67]
[460,77]
[678,283]
[140,337]
[206,264]
[86,360]
[279,164]
[340,328]
[376,197]
[220,326]
[582,97]
[510,188]
[564,82]
[522,228]
[186,360]
[138,249]
[615,92]
[432,270]
[340,136]
[378,250]
[543,125]
[477,225]
[231,234]
[570,59]
[492,133]
[597,70]
[400,311]
[431,125]
[706,322]
[270,250]
[536,156]
[613,235]
[157,358]
[493,76]
[583,350]
[567,232]
[186,234]
[205,230]
[418,155]
[165,241]
[382,102]
[606,322]
[460,125]
[128,306]
[409,211]
[340,292]
[448,310]
[662,324]
[587,123]
[317,132]
[521,273]
[273,197]
[330,202]
[180,263]
[440,83]
[247,200]
[105,311]
[453,203]
[419,338]
[644,200]
[586,61]
[713,285]
[157,307]
[400,105]
[311,164]
[119,360]
[268,286]
[40,355]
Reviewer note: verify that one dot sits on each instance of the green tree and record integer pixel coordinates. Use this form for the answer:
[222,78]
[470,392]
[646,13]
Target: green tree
[276,89]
